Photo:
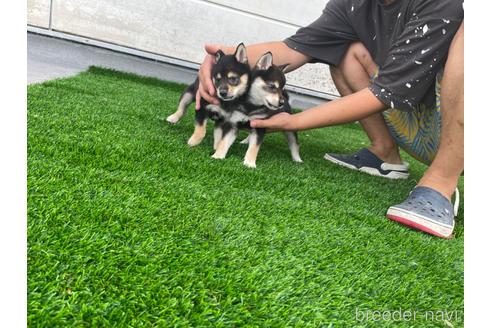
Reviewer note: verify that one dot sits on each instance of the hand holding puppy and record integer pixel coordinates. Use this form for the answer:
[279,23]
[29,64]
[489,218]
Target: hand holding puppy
[281,121]
[206,89]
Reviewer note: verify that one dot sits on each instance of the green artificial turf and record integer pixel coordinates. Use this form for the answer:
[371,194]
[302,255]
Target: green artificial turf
[128,226]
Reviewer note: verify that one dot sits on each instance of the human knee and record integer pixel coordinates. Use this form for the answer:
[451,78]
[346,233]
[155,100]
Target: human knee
[359,51]
[357,54]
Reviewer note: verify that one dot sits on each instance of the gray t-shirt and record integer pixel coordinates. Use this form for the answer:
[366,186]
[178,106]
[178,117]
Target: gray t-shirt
[408,39]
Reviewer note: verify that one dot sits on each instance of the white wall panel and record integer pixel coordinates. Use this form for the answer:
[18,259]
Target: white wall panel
[295,12]
[38,13]
[179,28]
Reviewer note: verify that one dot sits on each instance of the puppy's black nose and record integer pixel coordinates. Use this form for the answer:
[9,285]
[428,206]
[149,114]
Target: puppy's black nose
[281,102]
[223,94]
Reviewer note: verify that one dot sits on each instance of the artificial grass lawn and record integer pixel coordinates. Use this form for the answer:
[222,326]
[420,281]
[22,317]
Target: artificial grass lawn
[128,226]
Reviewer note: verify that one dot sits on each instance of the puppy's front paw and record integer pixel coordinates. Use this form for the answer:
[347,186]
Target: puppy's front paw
[173,119]
[218,155]
[250,164]
[297,160]
[195,141]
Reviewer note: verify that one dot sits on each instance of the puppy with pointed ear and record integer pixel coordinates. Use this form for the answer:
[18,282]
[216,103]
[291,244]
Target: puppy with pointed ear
[268,82]
[240,54]
[218,55]
[266,98]
[265,62]
[283,67]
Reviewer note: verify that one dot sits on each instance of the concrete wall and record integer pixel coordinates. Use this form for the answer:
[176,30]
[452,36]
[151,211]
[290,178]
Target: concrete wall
[38,12]
[179,28]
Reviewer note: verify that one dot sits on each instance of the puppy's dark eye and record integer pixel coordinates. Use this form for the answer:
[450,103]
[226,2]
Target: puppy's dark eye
[271,86]
[234,80]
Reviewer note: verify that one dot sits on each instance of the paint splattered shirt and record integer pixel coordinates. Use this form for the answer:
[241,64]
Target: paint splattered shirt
[408,39]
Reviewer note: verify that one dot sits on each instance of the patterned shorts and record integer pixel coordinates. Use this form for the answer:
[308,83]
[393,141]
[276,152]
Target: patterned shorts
[417,132]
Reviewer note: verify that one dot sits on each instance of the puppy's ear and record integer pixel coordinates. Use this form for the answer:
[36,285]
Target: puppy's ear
[240,54]
[283,67]
[265,62]
[218,55]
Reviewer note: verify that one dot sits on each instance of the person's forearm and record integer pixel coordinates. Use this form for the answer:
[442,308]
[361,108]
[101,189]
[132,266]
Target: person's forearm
[282,54]
[343,110]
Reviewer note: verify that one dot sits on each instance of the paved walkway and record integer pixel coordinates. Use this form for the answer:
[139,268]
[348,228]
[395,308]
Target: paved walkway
[49,58]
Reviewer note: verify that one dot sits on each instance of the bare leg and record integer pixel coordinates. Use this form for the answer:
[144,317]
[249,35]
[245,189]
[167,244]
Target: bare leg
[444,172]
[352,75]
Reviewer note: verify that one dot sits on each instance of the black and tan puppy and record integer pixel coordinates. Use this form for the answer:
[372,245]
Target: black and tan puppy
[266,98]
[231,76]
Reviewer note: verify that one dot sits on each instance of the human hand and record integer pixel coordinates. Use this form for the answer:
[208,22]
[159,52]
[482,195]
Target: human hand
[281,121]
[206,88]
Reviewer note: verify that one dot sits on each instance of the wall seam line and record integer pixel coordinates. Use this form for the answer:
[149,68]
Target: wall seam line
[250,13]
[50,25]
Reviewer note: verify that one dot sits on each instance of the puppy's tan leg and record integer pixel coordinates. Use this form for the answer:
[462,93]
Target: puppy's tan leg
[217,137]
[255,140]
[293,146]
[186,99]
[198,134]
[226,143]
[251,154]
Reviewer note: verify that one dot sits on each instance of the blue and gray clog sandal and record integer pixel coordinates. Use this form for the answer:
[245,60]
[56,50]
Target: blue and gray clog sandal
[427,210]
[366,161]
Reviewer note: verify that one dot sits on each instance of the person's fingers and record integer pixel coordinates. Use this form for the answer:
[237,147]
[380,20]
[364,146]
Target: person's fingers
[206,88]
[263,124]
[199,95]
[260,123]
[204,94]
[206,76]
[209,86]
[276,122]
[212,48]
[197,100]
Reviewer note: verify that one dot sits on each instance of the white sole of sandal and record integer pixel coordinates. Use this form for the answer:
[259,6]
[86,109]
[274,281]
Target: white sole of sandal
[419,222]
